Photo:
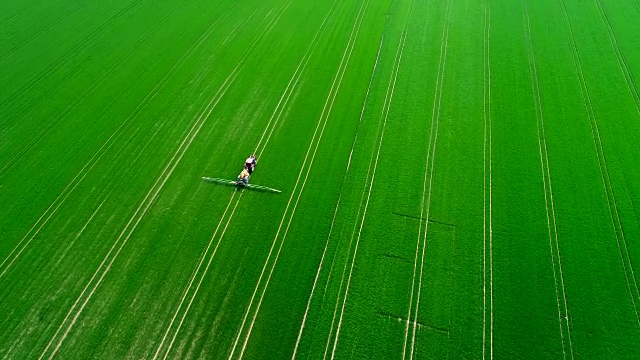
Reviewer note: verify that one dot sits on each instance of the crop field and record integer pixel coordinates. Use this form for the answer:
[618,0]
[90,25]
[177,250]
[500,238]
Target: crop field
[459,179]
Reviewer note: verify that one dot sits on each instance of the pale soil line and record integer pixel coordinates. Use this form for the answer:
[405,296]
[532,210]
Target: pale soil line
[321,120]
[344,269]
[484,180]
[353,234]
[304,318]
[56,64]
[242,22]
[84,227]
[604,171]
[634,94]
[542,167]
[121,245]
[215,233]
[297,75]
[315,280]
[61,18]
[629,79]
[271,25]
[490,183]
[435,122]
[422,202]
[355,224]
[415,260]
[373,175]
[206,270]
[193,277]
[75,238]
[487,152]
[548,191]
[155,189]
[326,118]
[195,292]
[628,76]
[84,171]
[94,84]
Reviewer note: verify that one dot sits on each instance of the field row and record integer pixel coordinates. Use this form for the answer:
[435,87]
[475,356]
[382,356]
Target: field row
[458,179]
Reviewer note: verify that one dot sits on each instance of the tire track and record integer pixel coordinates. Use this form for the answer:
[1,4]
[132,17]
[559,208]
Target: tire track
[346,176]
[624,67]
[324,117]
[554,247]
[487,180]
[10,99]
[67,14]
[622,61]
[20,11]
[20,335]
[612,206]
[106,146]
[433,141]
[385,116]
[193,277]
[89,90]
[104,267]
[293,82]
[276,115]
[390,89]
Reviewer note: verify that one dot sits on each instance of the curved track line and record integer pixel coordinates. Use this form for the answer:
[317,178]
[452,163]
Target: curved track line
[361,202]
[631,85]
[344,269]
[84,227]
[188,288]
[29,38]
[355,224]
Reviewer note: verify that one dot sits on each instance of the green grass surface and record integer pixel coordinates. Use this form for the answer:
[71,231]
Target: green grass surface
[459,179]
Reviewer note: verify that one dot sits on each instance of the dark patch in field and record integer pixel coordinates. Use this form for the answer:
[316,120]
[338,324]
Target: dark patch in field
[396,257]
[422,218]
[402,319]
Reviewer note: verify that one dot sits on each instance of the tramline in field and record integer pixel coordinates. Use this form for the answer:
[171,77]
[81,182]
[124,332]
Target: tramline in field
[517,123]
[243,178]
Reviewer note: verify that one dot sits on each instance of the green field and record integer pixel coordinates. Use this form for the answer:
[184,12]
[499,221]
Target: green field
[460,179]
